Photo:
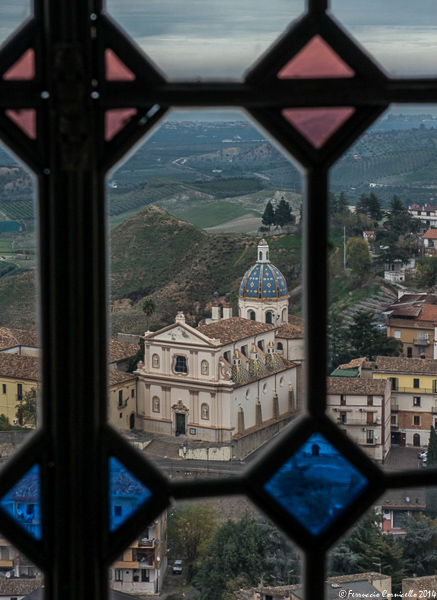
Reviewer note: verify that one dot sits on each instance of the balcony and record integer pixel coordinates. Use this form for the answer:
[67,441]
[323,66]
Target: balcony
[416,391]
[434,410]
[9,564]
[359,422]
[146,542]
[123,403]
[394,407]
[421,342]
[395,426]
[132,564]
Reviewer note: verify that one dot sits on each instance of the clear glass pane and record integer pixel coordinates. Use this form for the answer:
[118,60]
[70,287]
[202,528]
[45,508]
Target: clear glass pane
[19,576]
[195,39]
[23,502]
[214,546]
[19,345]
[381,338]
[400,36]
[390,548]
[12,15]
[206,259]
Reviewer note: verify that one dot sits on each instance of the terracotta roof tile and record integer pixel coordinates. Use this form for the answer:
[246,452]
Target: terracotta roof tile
[19,366]
[411,366]
[353,364]
[121,350]
[287,365]
[431,234]
[120,377]
[355,386]
[234,329]
[17,337]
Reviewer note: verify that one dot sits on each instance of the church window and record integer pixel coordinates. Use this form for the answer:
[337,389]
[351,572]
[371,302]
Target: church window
[265,388]
[156,404]
[244,350]
[260,256]
[261,345]
[181,365]
[252,315]
[155,361]
[269,317]
[205,412]
[279,346]
[205,367]
[281,381]
[247,394]
[227,356]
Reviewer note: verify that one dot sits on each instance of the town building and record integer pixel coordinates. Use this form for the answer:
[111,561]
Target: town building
[411,319]
[430,242]
[359,585]
[361,407]
[427,214]
[413,384]
[19,375]
[141,567]
[225,379]
[396,504]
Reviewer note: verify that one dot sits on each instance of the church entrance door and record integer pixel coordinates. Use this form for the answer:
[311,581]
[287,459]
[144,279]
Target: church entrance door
[180,424]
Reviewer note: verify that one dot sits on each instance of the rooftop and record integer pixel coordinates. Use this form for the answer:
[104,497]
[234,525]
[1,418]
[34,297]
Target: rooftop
[18,366]
[234,329]
[291,330]
[287,365]
[431,234]
[121,350]
[356,386]
[409,366]
[9,338]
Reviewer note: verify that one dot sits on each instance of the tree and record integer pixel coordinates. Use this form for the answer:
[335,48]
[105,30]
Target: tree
[268,218]
[26,409]
[283,214]
[132,364]
[149,308]
[358,256]
[426,272]
[237,549]
[364,546]
[4,423]
[370,206]
[190,530]
[420,545]
[366,340]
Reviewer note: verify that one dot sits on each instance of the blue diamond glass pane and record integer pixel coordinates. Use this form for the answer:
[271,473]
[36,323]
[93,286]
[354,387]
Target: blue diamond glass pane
[23,502]
[126,493]
[316,484]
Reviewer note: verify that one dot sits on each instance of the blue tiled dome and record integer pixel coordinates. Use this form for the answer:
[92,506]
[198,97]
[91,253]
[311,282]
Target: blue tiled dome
[263,281]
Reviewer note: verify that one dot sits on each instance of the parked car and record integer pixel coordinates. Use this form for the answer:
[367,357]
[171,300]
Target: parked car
[177,567]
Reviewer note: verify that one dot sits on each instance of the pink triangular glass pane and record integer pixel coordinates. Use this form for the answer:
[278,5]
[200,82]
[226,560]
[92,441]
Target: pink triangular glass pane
[25,119]
[316,60]
[317,124]
[23,69]
[116,119]
[116,70]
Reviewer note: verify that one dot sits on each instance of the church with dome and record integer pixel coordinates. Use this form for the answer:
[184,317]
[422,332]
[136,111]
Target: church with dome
[233,381]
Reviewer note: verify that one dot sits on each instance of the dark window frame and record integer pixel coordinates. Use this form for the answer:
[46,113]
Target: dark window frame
[73,324]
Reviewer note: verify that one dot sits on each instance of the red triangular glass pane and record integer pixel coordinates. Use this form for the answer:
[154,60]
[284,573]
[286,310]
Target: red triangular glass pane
[317,124]
[316,60]
[25,119]
[23,69]
[115,68]
[116,119]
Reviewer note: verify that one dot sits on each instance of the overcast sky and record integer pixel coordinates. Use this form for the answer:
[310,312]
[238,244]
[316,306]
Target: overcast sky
[211,38]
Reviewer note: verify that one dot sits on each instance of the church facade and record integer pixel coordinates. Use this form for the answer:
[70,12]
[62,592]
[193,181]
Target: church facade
[224,379]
